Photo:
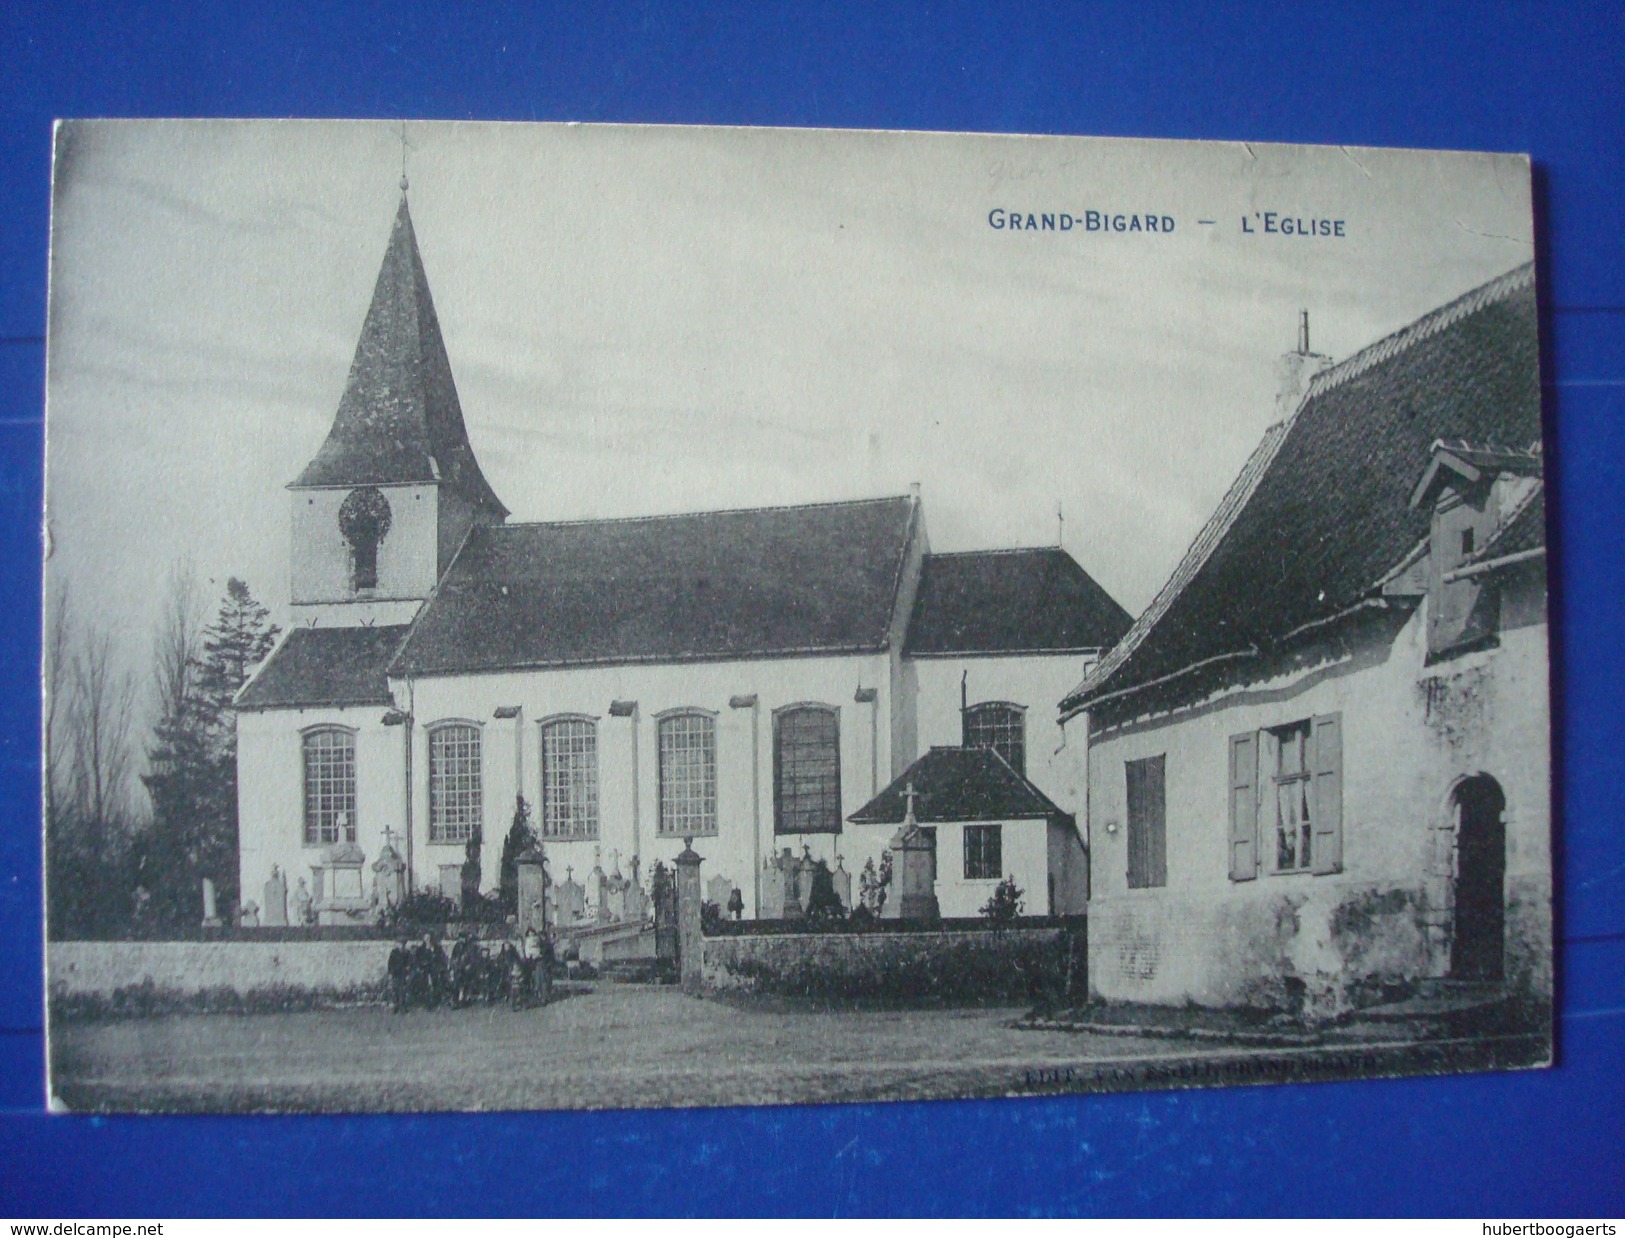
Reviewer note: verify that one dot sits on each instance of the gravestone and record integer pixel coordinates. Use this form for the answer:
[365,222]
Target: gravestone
[572,901]
[804,878]
[637,902]
[843,883]
[451,881]
[276,899]
[302,903]
[913,889]
[913,893]
[597,894]
[780,897]
[719,890]
[772,907]
[389,876]
[211,912]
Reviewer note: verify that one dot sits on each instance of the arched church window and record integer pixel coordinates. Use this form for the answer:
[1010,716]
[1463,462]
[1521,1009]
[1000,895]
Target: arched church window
[329,786]
[1001,726]
[454,782]
[688,775]
[807,770]
[364,520]
[570,778]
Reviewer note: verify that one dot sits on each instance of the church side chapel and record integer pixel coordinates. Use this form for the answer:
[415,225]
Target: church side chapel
[770,683]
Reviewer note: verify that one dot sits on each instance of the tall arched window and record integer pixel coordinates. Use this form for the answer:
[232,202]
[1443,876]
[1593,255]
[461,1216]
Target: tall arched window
[688,775]
[570,778]
[454,782]
[329,786]
[807,770]
[1001,726]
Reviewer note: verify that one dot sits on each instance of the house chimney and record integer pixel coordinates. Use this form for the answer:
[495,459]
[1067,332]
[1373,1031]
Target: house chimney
[1295,370]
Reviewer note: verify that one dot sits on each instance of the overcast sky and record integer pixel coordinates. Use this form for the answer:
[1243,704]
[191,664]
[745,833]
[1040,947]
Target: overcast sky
[660,319]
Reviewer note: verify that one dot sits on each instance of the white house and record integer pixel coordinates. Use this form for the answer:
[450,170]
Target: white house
[1318,763]
[748,679]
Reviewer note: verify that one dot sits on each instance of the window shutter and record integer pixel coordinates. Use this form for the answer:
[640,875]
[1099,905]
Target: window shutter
[1134,771]
[1156,793]
[1244,806]
[1326,733]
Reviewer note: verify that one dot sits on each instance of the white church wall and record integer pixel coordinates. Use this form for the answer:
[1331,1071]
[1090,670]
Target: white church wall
[270,792]
[628,782]
[1037,682]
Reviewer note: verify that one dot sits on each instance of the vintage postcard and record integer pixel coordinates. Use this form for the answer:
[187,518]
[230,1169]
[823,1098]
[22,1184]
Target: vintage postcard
[551,616]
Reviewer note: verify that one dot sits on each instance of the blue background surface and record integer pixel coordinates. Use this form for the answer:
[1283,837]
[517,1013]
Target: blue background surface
[1538,78]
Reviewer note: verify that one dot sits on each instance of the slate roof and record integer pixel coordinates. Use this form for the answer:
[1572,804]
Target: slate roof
[1011,601]
[958,784]
[325,666]
[1320,512]
[710,585]
[399,420]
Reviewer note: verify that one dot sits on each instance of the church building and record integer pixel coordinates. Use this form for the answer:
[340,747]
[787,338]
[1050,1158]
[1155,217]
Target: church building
[748,679]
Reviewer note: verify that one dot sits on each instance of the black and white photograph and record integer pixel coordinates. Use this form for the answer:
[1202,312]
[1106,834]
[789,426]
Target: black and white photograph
[545,616]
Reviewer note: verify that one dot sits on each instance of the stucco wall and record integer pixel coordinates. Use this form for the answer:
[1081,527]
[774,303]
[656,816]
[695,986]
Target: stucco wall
[1410,732]
[1025,853]
[270,793]
[270,783]
[1038,683]
[100,967]
[408,557]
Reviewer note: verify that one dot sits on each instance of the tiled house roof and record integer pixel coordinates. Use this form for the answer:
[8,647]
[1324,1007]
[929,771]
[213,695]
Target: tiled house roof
[325,666]
[1011,601]
[958,784]
[399,420]
[1321,510]
[1524,530]
[710,585]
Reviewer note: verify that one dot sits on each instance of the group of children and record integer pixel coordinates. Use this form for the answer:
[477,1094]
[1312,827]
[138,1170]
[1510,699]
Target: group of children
[421,975]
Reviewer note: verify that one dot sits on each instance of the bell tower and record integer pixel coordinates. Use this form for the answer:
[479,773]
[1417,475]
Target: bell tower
[383,506]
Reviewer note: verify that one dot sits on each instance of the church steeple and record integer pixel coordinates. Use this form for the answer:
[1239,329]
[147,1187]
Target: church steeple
[399,421]
[382,508]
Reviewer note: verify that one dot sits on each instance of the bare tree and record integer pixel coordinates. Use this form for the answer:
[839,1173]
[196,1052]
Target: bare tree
[100,719]
[177,642]
[58,642]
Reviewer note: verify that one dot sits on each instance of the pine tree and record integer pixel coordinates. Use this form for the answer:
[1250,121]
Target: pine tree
[193,760]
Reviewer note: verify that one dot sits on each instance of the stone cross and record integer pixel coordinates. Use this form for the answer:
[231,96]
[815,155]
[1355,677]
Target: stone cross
[909,817]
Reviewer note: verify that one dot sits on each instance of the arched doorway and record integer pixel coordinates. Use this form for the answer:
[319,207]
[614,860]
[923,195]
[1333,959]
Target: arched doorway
[1477,950]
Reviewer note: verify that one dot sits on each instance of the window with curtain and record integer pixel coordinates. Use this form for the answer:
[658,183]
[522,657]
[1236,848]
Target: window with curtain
[807,770]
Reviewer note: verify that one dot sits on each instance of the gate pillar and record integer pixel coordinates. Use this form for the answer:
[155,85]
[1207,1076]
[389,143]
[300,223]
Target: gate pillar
[690,941]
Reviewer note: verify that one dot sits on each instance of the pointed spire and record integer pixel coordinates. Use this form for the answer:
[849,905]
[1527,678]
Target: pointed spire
[399,420]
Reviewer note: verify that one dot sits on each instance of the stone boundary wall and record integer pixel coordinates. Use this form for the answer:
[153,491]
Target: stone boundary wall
[1014,965]
[100,967]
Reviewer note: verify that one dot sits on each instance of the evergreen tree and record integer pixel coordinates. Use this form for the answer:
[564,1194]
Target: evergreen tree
[193,765]
[521,838]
